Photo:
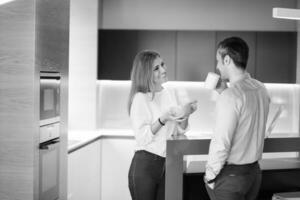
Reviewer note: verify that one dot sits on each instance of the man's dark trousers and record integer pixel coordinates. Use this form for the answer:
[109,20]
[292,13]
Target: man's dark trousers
[237,182]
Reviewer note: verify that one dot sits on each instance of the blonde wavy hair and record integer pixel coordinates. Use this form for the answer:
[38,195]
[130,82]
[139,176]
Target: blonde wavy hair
[142,74]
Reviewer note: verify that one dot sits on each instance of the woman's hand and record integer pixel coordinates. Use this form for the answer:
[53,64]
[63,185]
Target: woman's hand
[190,107]
[170,115]
[187,110]
[179,113]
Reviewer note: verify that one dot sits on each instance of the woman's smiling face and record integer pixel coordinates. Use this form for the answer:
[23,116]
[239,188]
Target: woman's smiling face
[159,72]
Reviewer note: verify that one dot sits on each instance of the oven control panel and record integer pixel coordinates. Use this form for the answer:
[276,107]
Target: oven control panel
[49,132]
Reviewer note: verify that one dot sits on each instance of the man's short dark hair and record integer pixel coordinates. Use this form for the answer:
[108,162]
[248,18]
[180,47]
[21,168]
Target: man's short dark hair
[237,49]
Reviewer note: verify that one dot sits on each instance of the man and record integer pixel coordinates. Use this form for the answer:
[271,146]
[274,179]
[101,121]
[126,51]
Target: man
[232,170]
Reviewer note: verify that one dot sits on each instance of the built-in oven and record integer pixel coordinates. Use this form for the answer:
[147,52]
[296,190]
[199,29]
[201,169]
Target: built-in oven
[49,98]
[49,170]
[49,147]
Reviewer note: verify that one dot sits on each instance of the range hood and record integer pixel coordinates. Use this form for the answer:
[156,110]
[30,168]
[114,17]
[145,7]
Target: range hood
[286,13]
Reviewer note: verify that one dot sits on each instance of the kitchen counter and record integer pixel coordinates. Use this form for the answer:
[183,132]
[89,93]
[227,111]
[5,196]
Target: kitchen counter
[80,138]
[178,147]
[194,143]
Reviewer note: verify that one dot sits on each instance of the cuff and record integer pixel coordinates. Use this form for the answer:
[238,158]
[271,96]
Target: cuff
[210,176]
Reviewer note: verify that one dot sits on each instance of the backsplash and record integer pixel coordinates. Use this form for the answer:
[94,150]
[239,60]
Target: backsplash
[112,112]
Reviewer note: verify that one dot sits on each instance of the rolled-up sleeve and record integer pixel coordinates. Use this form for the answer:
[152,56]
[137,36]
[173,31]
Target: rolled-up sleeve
[141,120]
[226,122]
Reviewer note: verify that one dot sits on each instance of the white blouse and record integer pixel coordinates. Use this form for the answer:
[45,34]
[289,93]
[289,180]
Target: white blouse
[145,110]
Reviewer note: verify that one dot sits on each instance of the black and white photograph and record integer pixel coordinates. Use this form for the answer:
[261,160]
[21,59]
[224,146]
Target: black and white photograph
[149,100]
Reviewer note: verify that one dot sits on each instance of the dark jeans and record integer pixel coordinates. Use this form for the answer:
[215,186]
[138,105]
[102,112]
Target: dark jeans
[147,176]
[236,182]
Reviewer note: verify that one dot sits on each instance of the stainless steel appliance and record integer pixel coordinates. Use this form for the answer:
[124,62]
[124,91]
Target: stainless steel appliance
[49,97]
[49,170]
[49,136]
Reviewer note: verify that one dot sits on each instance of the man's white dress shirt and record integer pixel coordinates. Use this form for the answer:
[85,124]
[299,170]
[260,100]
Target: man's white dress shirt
[241,116]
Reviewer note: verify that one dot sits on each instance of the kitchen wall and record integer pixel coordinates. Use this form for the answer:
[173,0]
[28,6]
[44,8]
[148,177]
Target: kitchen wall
[255,15]
[113,115]
[83,64]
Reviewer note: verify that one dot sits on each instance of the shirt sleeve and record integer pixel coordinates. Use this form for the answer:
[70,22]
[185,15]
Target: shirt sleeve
[140,115]
[220,146]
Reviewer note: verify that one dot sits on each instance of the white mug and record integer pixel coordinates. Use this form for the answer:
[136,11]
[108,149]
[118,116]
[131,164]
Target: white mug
[211,80]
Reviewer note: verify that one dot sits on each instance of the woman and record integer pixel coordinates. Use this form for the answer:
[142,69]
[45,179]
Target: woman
[156,114]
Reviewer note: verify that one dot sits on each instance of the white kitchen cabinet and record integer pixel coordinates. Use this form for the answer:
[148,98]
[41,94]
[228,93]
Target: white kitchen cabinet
[116,158]
[84,177]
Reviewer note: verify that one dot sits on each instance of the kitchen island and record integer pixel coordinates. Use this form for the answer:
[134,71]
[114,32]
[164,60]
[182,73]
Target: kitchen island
[179,146]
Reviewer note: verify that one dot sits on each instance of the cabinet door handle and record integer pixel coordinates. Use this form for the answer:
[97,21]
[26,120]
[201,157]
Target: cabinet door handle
[44,147]
[48,145]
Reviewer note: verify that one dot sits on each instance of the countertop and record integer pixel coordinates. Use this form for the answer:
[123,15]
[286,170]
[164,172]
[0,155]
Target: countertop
[80,138]
[178,147]
[265,164]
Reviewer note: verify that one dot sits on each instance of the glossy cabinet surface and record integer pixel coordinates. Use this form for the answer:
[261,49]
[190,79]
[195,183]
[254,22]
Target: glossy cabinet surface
[116,158]
[117,50]
[276,57]
[190,55]
[195,55]
[84,172]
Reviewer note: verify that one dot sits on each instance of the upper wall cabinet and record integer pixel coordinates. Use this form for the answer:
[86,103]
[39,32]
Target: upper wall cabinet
[195,55]
[164,42]
[52,37]
[190,55]
[117,50]
[254,15]
[276,57]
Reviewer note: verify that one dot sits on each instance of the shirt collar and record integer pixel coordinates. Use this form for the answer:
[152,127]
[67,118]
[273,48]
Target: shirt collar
[244,76]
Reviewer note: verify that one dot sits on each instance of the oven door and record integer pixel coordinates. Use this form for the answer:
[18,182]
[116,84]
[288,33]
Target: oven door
[49,170]
[49,98]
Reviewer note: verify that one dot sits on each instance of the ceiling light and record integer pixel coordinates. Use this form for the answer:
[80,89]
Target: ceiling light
[5,1]
[286,13]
